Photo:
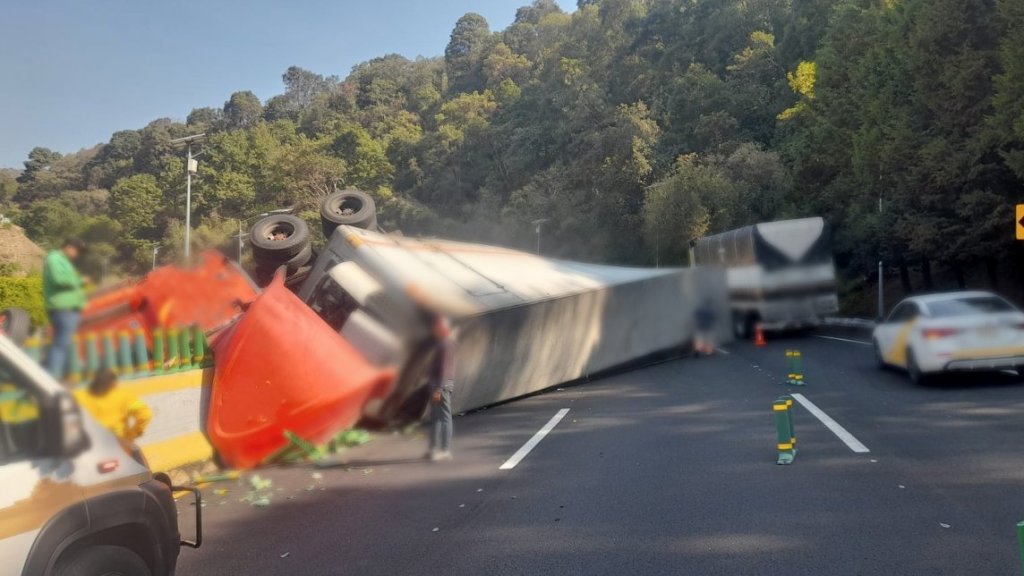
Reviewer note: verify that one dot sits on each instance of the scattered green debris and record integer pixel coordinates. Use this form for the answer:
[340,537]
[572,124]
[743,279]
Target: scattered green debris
[211,478]
[260,483]
[300,449]
[351,438]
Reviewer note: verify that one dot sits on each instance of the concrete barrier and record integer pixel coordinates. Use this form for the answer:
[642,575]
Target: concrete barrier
[174,438]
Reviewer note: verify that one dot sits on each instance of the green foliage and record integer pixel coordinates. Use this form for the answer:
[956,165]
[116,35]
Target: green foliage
[630,126]
[242,110]
[135,202]
[26,293]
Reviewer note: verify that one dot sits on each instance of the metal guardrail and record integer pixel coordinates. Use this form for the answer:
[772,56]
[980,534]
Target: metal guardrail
[859,323]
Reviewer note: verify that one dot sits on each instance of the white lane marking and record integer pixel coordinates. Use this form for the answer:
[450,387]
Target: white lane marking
[831,424]
[861,342]
[532,442]
[722,351]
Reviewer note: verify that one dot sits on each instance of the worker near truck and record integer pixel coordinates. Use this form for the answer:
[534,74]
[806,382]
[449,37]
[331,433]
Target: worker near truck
[65,300]
[117,409]
[704,319]
[442,385]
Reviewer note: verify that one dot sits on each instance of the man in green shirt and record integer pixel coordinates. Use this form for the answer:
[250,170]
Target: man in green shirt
[65,299]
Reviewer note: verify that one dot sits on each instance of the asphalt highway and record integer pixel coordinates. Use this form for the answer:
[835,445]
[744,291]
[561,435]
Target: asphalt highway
[669,469]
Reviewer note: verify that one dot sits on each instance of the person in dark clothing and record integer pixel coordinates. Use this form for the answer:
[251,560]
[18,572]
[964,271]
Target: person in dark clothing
[704,321]
[442,384]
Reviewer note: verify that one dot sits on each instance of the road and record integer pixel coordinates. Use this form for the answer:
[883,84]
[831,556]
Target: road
[669,469]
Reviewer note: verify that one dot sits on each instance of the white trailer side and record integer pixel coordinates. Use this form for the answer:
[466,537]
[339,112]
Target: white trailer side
[525,323]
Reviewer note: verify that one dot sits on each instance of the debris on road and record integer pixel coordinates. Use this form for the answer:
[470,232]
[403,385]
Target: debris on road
[212,478]
[260,483]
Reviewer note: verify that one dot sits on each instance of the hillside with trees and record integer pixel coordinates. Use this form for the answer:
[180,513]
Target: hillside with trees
[632,126]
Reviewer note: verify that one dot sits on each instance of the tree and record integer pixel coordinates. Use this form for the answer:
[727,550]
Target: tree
[302,87]
[242,110]
[464,55]
[694,200]
[39,161]
[1008,121]
[208,117]
[134,203]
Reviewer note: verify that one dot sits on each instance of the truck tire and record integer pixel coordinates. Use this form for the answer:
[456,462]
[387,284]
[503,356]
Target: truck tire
[295,279]
[347,207]
[292,235]
[300,260]
[17,324]
[102,561]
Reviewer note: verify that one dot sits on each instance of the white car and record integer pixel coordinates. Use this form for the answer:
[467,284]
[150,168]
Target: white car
[953,331]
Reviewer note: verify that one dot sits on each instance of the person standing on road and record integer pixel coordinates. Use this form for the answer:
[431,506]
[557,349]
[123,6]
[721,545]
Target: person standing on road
[442,384]
[65,299]
[704,320]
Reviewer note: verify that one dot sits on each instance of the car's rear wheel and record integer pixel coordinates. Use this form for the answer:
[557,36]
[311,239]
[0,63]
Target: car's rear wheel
[914,371]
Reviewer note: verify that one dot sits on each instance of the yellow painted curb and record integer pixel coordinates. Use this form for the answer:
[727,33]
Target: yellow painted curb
[169,382]
[177,452]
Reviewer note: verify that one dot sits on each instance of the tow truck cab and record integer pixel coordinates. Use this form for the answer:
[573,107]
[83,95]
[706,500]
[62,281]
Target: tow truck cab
[73,501]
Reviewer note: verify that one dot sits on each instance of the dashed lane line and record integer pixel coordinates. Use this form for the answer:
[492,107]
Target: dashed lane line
[831,424]
[532,442]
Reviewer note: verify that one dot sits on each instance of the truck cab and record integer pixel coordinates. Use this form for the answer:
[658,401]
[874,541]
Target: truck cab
[73,500]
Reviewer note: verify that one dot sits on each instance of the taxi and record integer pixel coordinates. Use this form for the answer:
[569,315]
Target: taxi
[952,331]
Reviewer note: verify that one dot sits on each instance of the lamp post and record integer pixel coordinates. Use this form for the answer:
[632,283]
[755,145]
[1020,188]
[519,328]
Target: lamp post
[191,167]
[881,272]
[538,224]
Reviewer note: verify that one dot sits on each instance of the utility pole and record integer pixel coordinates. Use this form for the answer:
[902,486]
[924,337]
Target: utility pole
[538,224]
[156,249]
[881,271]
[191,167]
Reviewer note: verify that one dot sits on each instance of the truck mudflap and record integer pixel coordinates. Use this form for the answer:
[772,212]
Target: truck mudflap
[282,368]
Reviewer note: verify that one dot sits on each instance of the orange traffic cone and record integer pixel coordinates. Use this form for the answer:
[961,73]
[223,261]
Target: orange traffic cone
[759,336]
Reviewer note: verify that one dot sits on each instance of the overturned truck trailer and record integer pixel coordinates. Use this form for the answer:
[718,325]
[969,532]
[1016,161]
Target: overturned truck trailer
[354,344]
[525,323]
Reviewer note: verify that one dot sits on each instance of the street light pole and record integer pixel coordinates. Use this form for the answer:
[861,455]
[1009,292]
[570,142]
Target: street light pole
[538,224]
[188,204]
[881,272]
[190,168]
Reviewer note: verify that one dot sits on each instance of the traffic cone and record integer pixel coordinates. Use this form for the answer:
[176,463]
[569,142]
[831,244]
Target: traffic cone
[759,336]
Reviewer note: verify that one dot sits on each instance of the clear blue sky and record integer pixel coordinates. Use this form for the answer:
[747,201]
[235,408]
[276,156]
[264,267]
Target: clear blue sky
[74,71]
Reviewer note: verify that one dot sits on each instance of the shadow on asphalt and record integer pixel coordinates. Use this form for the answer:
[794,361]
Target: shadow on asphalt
[365,463]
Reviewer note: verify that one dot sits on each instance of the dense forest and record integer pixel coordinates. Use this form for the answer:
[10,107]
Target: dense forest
[631,126]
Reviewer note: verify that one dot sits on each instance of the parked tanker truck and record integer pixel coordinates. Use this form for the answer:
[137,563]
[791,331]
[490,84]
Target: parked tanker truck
[779,274]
